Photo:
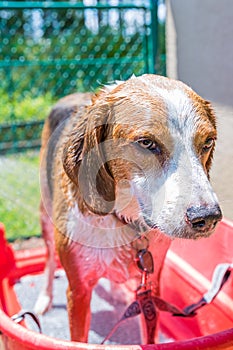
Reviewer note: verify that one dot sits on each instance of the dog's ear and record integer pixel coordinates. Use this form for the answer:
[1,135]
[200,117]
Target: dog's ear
[85,163]
[212,118]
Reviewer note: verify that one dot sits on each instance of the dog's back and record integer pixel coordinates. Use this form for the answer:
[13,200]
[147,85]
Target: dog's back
[53,129]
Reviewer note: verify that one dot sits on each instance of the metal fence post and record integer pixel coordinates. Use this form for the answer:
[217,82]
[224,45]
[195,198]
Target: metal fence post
[153,37]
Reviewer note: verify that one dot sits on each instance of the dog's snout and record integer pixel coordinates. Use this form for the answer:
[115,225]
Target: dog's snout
[202,218]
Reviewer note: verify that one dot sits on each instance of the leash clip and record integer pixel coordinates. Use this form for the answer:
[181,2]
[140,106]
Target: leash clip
[145,263]
[20,316]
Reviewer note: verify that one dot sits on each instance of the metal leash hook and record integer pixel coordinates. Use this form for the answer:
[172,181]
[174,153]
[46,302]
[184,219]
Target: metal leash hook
[20,316]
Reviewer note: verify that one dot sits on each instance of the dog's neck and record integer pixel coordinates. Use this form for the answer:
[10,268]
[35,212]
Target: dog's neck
[103,231]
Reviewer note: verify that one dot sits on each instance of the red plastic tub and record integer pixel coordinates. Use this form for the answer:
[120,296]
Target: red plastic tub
[186,276]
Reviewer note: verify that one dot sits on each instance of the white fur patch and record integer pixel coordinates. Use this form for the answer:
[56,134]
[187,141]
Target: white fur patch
[182,115]
[98,231]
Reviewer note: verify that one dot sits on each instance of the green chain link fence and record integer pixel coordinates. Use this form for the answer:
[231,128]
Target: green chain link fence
[50,49]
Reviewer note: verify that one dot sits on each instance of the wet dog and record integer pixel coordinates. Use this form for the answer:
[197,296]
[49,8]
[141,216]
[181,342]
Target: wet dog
[130,162]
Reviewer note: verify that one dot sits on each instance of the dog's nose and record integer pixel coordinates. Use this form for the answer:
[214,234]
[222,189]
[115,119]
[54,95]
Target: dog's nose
[203,218]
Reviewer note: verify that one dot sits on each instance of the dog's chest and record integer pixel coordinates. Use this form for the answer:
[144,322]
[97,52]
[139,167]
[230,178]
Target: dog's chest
[116,264]
[102,245]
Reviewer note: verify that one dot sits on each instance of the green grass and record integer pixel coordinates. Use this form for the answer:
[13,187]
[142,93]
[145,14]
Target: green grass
[20,195]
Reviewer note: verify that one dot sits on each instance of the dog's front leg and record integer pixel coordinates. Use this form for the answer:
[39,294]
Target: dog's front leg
[45,297]
[82,279]
[79,299]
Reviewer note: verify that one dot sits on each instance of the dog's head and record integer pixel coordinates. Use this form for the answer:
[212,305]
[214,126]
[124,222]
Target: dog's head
[143,152]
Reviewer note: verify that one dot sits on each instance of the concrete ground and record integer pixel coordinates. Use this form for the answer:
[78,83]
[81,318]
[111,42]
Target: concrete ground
[107,309]
[222,170]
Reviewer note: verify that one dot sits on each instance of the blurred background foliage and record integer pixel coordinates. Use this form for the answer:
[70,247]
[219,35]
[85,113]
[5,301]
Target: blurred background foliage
[46,53]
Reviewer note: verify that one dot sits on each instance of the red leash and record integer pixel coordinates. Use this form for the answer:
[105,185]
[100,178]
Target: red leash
[147,304]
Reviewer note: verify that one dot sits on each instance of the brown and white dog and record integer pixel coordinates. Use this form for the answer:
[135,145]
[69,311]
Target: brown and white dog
[134,161]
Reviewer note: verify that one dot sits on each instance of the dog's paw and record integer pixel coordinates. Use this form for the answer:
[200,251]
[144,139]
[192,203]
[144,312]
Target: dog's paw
[43,304]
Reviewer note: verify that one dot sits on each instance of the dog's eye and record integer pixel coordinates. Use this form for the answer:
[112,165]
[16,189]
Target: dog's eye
[150,145]
[208,145]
